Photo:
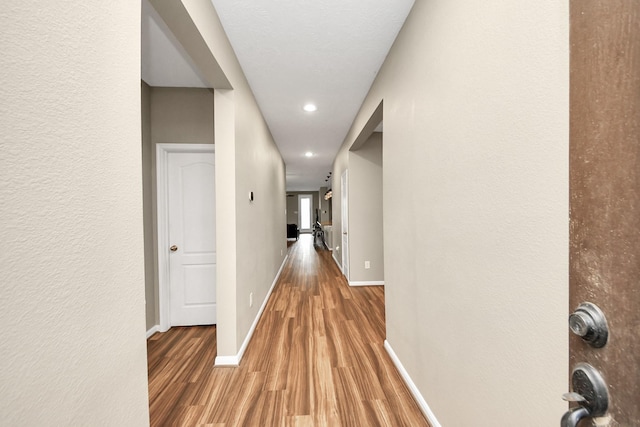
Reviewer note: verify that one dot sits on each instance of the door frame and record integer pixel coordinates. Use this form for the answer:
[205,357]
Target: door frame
[344,222]
[604,191]
[162,218]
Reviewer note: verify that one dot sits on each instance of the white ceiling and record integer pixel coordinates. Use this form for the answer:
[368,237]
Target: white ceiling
[293,51]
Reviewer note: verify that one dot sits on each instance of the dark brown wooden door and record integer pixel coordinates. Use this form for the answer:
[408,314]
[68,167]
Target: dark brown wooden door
[605,193]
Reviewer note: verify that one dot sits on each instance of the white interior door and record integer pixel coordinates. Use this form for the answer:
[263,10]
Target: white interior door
[191,238]
[305,212]
[344,202]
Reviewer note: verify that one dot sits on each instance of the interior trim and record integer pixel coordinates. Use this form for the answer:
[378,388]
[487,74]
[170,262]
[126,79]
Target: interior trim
[333,255]
[424,407]
[367,283]
[162,217]
[235,360]
[153,330]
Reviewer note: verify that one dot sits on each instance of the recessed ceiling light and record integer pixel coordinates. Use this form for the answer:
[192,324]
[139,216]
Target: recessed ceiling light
[308,154]
[310,108]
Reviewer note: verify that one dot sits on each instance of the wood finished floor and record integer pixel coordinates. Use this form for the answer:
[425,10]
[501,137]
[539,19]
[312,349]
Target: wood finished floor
[316,359]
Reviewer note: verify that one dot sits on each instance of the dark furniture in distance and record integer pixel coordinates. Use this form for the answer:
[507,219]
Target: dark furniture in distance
[292,231]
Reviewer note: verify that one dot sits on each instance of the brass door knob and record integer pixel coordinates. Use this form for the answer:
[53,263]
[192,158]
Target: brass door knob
[173,248]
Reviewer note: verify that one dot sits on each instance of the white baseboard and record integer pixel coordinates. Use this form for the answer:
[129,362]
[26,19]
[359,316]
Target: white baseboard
[153,330]
[235,360]
[232,361]
[412,387]
[333,255]
[365,283]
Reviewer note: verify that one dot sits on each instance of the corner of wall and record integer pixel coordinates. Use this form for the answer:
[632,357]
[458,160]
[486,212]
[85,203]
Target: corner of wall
[224,131]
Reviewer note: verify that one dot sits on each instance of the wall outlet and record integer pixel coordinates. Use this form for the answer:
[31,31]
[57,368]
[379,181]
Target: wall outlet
[367,265]
[250,299]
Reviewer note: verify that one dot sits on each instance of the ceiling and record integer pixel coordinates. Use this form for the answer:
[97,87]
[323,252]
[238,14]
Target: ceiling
[292,52]
[164,62]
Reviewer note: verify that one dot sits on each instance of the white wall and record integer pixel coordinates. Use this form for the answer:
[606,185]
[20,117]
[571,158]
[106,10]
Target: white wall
[73,345]
[476,207]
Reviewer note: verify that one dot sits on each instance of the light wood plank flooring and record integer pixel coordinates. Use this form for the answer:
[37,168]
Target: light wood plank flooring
[315,359]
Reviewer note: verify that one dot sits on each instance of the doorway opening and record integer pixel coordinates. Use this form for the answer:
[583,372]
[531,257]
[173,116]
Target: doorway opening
[305,212]
[186,234]
[362,207]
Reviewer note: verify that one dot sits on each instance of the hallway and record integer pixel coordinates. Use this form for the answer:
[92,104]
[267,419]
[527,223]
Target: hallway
[316,359]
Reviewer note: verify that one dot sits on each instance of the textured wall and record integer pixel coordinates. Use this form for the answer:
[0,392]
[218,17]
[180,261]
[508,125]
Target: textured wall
[476,207]
[73,345]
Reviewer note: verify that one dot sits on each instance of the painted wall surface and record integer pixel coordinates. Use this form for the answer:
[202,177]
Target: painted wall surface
[72,309]
[149,211]
[292,209]
[339,166]
[252,235]
[260,225]
[476,207]
[325,207]
[170,115]
[365,212]
[181,115]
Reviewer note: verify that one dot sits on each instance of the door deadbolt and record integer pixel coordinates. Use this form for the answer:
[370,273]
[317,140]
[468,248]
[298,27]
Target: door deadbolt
[589,323]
